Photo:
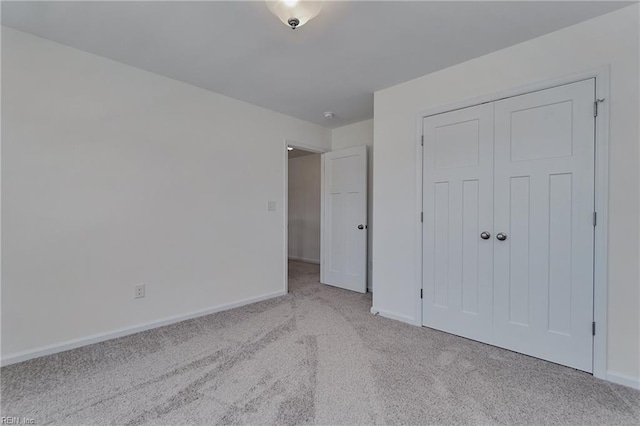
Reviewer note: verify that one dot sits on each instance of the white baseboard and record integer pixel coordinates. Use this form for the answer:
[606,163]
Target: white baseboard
[621,379]
[302,259]
[101,337]
[393,316]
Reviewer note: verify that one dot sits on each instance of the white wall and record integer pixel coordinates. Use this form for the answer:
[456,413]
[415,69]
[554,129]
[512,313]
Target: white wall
[608,40]
[358,134]
[113,176]
[304,208]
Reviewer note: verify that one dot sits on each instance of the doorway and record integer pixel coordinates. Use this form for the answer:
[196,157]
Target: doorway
[303,207]
[326,213]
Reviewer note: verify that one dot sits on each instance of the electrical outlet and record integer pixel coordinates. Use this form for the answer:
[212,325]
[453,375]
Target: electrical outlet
[138,291]
[271,206]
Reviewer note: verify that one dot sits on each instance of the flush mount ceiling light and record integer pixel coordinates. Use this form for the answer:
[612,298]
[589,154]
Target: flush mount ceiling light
[329,115]
[295,13]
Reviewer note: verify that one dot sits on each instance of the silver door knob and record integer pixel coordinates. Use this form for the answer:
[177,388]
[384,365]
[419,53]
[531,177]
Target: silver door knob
[501,236]
[485,235]
[360,226]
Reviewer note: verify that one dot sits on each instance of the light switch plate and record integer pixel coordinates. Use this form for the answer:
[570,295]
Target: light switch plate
[271,206]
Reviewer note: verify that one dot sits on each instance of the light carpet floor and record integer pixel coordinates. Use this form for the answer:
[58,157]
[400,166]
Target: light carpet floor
[315,356]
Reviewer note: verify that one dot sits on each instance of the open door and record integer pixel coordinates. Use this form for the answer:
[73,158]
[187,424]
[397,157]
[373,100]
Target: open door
[344,225]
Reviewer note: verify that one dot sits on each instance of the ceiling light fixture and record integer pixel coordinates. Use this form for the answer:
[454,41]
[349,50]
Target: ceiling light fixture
[289,148]
[329,115]
[295,13]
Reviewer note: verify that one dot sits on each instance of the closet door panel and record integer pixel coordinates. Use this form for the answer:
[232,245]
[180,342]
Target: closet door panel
[457,205]
[544,200]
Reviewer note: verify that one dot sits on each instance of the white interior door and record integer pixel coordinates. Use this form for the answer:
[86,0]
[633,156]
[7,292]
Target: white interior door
[344,230]
[458,209]
[519,172]
[544,203]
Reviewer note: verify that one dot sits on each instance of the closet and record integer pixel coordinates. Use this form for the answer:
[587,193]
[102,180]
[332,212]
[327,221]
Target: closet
[508,228]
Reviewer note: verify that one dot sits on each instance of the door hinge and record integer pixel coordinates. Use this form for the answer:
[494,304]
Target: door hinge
[595,219]
[593,328]
[421,217]
[420,293]
[422,141]
[595,106]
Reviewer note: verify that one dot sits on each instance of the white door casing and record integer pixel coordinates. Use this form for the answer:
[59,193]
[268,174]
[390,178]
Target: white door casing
[541,179]
[544,203]
[344,260]
[458,185]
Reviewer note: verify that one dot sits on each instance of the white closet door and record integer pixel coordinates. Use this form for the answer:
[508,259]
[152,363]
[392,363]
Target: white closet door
[458,208]
[544,202]
[344,262]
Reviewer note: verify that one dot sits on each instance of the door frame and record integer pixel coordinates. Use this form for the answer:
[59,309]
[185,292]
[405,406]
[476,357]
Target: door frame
[304,147]
[601,187]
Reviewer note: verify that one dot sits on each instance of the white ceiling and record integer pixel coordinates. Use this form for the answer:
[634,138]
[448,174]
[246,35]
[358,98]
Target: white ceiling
[333,63]
[295,153]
